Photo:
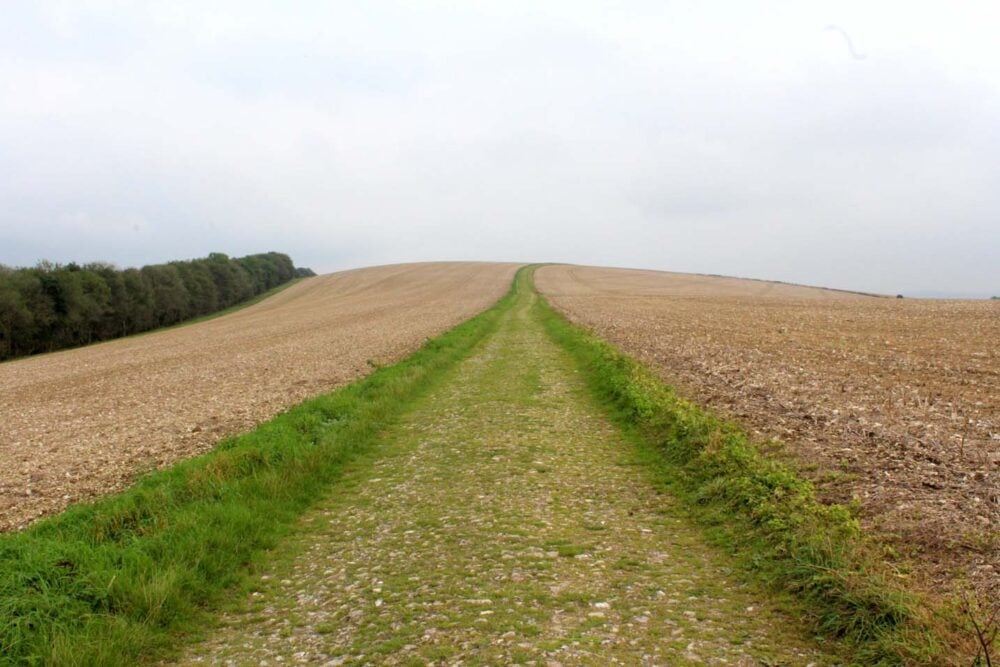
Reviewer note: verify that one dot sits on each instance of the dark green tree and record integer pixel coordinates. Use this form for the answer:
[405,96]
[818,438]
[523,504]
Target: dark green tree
[52,306]
[170,298]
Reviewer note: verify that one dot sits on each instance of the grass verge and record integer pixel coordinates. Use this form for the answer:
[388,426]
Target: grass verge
[114,582]
[760,510]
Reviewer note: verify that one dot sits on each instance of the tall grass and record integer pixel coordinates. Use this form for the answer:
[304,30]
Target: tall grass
[115,582]
[761,510]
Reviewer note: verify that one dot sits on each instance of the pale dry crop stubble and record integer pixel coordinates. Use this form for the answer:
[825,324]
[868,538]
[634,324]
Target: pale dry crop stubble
[894,402]
[81,423]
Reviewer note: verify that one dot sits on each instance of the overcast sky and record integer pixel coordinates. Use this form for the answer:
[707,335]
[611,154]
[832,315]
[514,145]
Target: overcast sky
[848,144]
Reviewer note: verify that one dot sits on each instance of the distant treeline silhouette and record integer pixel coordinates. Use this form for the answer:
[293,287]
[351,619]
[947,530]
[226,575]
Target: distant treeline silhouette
[53,306]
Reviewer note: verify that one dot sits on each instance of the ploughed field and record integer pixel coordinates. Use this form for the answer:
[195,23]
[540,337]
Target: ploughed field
[893,402]
[84,422]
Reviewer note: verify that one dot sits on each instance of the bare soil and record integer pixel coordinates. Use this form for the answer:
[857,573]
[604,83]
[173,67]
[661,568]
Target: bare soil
[892,402]
[85,422]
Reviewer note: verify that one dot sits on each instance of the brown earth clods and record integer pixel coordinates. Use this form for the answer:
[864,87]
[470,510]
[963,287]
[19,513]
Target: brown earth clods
[893,402]
[85,422]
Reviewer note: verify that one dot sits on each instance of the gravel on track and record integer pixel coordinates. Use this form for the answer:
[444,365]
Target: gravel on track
[81,423]
[893,402]
[504,521]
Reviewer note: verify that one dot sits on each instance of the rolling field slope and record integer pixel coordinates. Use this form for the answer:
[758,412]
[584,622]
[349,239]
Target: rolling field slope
[895,403]
[84,422]
[516,491]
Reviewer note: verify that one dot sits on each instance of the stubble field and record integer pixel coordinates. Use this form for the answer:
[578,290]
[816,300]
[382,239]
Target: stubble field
[82,423]
[894,403]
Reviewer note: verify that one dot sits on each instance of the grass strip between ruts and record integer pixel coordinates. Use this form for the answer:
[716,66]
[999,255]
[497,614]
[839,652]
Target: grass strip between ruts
[117,581]
[760,510]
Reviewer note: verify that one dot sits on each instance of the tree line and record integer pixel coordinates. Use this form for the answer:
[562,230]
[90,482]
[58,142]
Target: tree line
[54,306]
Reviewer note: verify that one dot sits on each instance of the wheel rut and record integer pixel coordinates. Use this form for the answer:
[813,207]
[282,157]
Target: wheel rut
[505,520]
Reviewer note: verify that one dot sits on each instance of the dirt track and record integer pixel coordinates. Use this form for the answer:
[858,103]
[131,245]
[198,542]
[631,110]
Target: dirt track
[81,423]
[503,521]
[893,402]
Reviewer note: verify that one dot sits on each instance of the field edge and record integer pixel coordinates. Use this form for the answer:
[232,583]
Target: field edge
[768,517]
[117,580]
[198,319]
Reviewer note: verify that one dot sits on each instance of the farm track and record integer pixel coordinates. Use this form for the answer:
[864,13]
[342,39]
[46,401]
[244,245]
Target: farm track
[82,423]
[503,520]
[895,403]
